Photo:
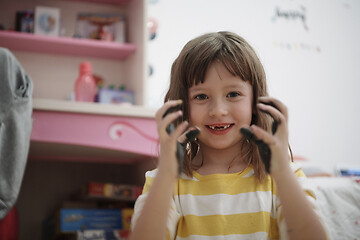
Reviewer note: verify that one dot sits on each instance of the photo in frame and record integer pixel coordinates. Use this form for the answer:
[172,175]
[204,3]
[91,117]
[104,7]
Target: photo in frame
[47,21]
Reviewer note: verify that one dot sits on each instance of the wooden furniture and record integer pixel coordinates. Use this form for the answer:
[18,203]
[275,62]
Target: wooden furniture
[71,142]
[129,133]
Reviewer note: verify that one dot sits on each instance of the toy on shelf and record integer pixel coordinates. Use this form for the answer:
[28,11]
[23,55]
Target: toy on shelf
[106,27]
[113,95]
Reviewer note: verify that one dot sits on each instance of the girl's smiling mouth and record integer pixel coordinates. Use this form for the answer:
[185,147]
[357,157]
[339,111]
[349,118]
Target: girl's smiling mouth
[219,129]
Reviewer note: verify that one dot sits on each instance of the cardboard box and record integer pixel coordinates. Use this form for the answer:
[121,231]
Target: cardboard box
[127,214]
[71,220]
[91,219]
[116,96]
[112,191]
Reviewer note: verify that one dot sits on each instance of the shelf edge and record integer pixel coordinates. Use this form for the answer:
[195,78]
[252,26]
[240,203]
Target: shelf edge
[92,108]
[65,46]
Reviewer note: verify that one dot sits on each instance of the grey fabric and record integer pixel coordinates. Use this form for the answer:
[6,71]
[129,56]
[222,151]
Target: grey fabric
[15,127]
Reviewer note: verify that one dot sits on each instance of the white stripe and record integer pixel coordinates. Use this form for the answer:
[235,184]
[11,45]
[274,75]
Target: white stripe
[250,173]
[224,204]
[295,166]
[253,236]
[186,177]
[151,173]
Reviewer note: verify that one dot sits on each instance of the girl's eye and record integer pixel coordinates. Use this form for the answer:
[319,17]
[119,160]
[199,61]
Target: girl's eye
[201,97]
[233,94]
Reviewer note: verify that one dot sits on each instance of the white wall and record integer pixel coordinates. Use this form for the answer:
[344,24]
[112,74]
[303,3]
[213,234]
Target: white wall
[313,66]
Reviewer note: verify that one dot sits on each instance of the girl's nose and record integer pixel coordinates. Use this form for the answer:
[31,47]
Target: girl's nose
[218,108]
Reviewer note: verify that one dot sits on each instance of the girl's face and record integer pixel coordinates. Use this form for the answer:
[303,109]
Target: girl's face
[220,107]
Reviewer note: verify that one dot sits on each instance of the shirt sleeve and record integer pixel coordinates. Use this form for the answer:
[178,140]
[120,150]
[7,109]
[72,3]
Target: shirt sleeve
[310,195]
[174,214]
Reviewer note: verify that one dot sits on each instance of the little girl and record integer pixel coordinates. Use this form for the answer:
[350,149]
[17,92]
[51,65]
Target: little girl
[223,191]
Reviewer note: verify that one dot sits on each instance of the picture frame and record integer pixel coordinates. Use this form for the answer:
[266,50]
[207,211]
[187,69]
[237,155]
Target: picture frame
[47,21]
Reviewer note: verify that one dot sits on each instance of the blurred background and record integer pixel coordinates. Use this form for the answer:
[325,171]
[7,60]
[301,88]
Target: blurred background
[310,54]
[309,50]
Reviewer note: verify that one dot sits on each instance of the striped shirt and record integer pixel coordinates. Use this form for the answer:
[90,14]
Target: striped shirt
[223,206]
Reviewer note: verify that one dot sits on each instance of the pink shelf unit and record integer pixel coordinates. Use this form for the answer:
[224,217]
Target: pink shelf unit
[110,2]
[65,46]
[134,135]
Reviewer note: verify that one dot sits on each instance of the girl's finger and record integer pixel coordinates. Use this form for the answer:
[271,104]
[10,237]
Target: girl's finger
[264,149]
[164,116]
[166,107]
[261,134]
[189,135]
[165,122]
[273,112]
[276,110]
[180,129]
[275,103]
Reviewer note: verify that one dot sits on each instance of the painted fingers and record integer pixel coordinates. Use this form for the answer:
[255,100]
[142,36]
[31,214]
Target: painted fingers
[189,136]
[263,139]
[168,115]
[165,117]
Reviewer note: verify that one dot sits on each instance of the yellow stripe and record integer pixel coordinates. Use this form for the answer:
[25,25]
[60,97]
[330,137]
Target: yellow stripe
[215,184]
[300,173]
[245,223]
[229,186]
[274,229]
[308,192]
[281,215]
[168,236]
[148,183]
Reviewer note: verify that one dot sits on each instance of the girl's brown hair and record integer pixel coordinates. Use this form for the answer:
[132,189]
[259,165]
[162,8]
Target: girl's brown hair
[240,59]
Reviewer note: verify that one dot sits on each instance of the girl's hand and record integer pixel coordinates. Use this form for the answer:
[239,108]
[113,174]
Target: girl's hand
[167,159]
[189,136]
[278,143]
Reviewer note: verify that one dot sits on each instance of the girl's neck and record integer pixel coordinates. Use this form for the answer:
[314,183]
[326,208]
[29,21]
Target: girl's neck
[213,161]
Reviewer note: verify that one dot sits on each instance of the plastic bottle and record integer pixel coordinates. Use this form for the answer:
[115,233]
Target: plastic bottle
[85,85]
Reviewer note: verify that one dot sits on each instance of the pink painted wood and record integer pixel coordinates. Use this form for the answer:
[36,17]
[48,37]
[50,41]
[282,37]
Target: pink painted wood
[110,2]
[127,134]
[65,46]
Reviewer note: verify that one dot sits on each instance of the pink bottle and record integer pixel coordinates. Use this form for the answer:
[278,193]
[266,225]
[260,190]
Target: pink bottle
[85,85]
